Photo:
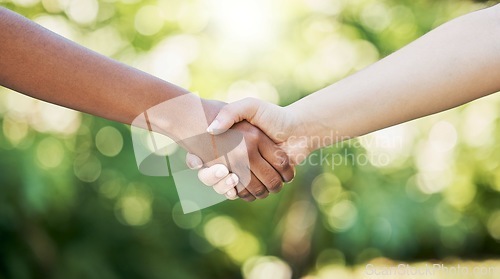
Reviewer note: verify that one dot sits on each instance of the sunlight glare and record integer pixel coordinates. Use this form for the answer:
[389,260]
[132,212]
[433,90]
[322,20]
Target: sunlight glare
[246,22]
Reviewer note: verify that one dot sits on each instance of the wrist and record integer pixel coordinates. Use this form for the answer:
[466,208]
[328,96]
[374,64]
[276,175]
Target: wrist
[296,137]
[182,117]
[303,127]
[311,129]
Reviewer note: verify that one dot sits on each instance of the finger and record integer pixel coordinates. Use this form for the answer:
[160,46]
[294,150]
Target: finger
[193,162]
[232,113]
[257,188]
[226,184]
[269,178]
[243,193]
[211,175]
[231,194]
[278,159]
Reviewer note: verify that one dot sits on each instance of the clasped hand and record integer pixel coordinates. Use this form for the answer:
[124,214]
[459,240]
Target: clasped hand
[270,156]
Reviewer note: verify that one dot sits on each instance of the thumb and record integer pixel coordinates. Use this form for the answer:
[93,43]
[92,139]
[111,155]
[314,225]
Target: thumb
[232,113]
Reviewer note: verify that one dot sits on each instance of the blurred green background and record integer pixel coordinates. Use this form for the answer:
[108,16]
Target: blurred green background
[73,204]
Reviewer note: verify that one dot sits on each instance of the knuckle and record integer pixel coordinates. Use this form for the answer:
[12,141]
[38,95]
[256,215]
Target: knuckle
[252,136]
[261,192]
[275,185]
[283,166]
[245,195]
[251,100]
[219,190]
[249,199]
[203,178]
[272,179]
[283,163]
[225,110]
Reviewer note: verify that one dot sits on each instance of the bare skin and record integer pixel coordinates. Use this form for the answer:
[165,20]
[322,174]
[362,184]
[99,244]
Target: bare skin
[39,63]
[454,64]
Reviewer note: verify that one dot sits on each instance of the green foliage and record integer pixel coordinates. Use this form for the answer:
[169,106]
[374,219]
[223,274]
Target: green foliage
[72,205]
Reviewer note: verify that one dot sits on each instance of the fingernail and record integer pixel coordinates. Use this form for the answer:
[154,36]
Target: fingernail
[232,180]
[195,162]
[221,172]
[214,126]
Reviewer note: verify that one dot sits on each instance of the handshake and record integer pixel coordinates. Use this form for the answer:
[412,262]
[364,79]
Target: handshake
[439,71]
[249,149]
[274,141]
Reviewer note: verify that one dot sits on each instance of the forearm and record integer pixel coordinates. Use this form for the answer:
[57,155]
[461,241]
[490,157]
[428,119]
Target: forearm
[44,65]
[454,64]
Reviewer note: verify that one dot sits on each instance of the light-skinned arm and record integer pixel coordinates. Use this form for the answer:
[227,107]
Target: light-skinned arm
[456,63]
